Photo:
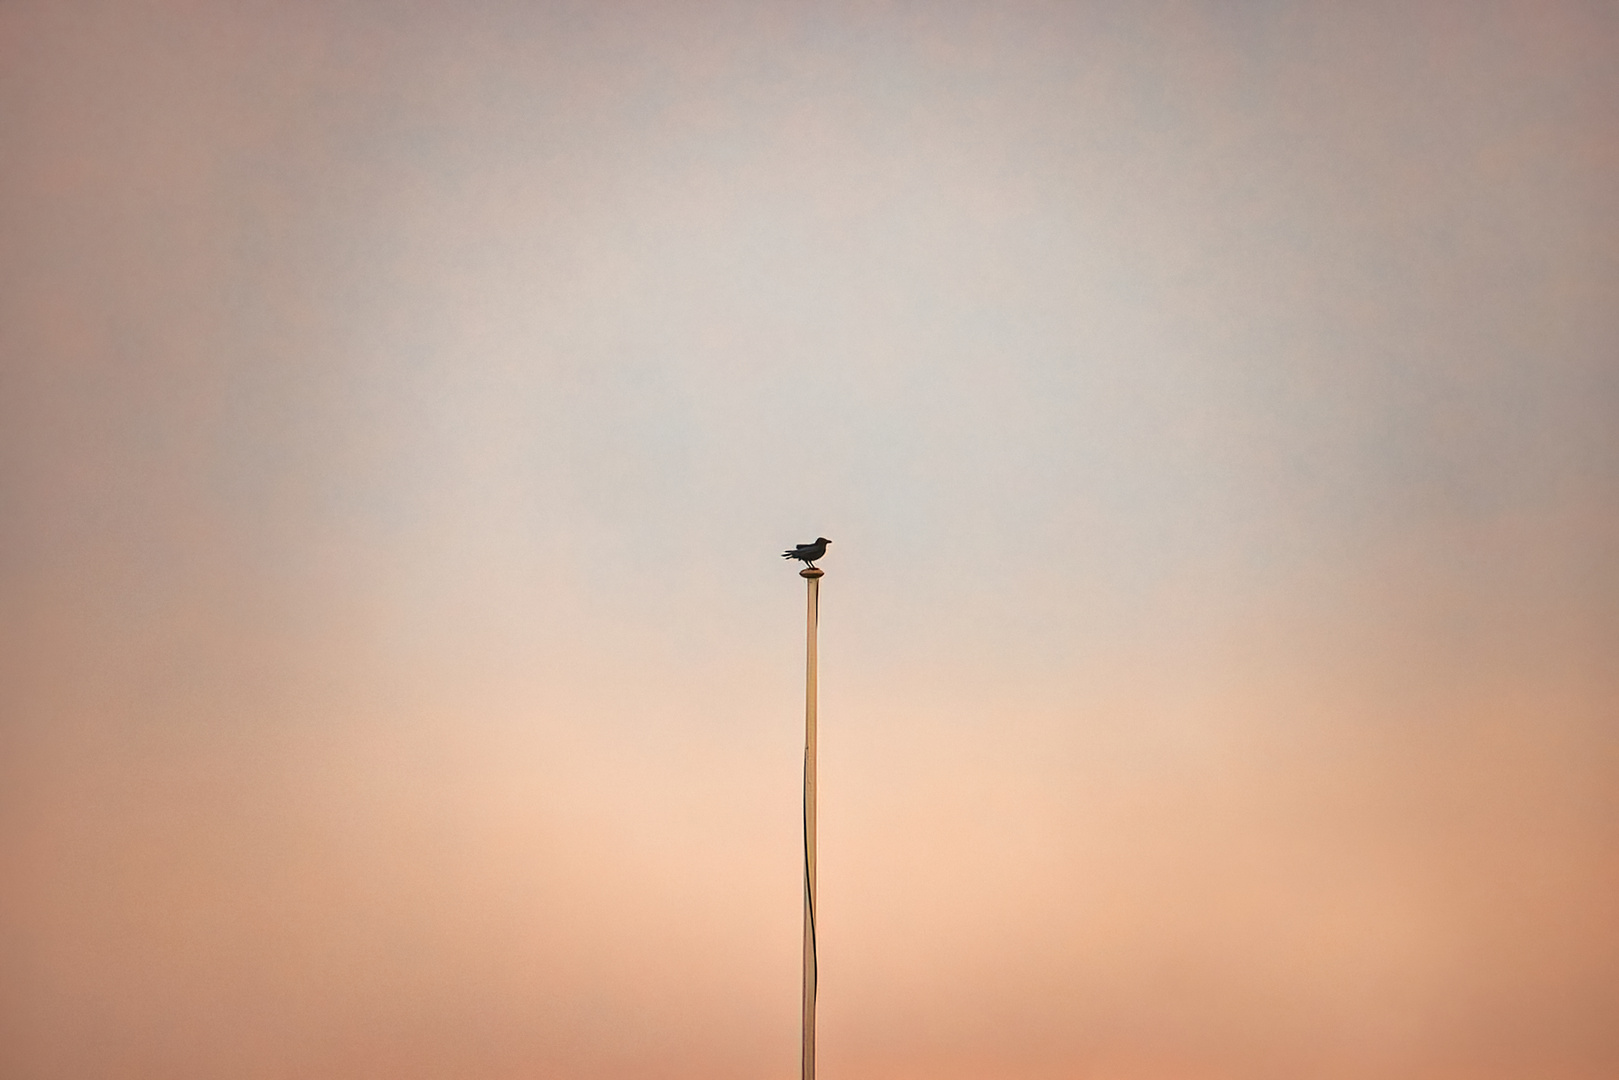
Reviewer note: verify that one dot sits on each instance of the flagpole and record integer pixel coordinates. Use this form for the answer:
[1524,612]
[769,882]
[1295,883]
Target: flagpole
[812,578]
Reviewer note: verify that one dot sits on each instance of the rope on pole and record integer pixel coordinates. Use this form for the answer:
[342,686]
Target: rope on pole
[812,578]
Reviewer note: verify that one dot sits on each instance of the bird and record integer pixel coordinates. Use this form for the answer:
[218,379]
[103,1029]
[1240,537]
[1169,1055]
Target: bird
[808,553]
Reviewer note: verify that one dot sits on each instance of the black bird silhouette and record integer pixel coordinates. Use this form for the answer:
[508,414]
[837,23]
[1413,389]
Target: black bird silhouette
[808,553]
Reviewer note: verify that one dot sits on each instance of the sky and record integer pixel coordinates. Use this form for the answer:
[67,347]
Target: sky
[1214,408]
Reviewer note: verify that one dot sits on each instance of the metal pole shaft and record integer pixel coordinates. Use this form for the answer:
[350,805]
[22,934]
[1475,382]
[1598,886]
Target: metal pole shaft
[813,579]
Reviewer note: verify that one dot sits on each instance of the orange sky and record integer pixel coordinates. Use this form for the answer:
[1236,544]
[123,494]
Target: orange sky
[1213,406]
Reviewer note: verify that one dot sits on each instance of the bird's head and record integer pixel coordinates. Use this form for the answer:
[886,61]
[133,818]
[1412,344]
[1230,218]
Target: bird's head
[822,540]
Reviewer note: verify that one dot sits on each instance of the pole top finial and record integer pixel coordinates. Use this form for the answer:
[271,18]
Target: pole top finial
[811,572]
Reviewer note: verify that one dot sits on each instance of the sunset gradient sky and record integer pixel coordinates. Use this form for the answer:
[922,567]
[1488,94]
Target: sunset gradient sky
[1214,407]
